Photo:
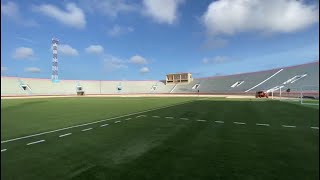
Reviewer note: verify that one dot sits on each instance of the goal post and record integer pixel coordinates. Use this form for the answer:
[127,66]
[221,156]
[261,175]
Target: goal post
[309,95]
[289,93]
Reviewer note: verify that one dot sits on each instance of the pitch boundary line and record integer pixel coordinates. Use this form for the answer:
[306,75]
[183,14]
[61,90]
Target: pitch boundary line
[219,121]
[88,129]
[287,126]
[240,123]
[36,142]
[95,122]
[201,120]
[63,135]
[104,125]
[258,124]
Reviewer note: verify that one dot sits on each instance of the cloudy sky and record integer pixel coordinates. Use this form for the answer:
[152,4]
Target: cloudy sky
[146,39]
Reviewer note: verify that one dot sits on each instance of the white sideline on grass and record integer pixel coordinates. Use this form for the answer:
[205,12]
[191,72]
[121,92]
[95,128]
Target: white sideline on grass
[287,126]
[219,121]
[239,123]
[184,118]
[314,127]
[169,117]
[63,135]
[36,142]
[95,122]
[201,120]
[258,124]
[104,125]
[88,129]
[156,116]
[117,122]
[128,119]
[3,150]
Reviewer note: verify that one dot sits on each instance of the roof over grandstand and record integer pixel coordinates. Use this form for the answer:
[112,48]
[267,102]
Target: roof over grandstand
[101,40]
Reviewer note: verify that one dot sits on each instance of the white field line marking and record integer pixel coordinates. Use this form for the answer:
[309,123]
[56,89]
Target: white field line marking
[3,150]
[201,120]
[287,126]
[258,124]
[241,123]
[184,118]
[128,119]
[88,129]
[36,142]
[63,135]
[104,125]
[314,127]
[219,121]
[156,116]
[95,122]
[264,80]
[140,116]
[169,117]
[117,122]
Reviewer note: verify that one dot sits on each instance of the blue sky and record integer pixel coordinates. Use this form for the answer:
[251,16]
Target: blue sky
[146,39]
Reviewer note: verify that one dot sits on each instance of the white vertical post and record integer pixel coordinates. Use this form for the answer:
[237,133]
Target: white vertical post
[54,76]
[301,96]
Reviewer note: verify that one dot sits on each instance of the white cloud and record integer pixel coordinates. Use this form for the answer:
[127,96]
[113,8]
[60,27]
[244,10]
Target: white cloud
[26,39]
[111,8]
[144,70]
[162,11]
[73,16]
[229,17]
[32,70]
[3,69]
[66,49]
[112,63]
[213,43]
[117,30]
[137,59]
[11,10]
[23,53]
[216,60]
[94,49]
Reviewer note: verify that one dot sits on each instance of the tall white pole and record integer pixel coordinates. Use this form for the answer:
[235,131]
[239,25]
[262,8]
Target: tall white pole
[54,76]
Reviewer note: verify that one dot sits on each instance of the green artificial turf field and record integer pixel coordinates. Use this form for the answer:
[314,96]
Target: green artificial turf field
[181,138]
